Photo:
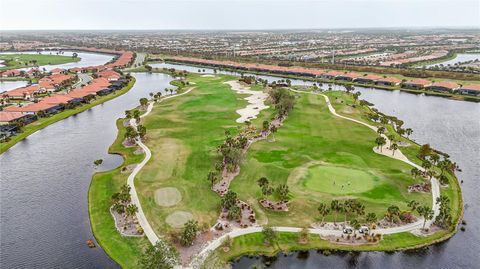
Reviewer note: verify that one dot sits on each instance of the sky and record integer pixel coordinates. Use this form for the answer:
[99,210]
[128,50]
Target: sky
[235,14]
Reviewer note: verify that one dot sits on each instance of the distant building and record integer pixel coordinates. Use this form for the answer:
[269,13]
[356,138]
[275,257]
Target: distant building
[471,89]
[388,81]
[368,79]
[416,84]
[443,86]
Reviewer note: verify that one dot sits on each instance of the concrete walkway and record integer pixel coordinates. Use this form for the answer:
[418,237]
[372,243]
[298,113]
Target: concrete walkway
[142,219]
[214,244]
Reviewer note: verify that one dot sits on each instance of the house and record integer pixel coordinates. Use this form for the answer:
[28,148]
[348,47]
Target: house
[388,81]
[368,79]
[7,118]
[57,71]
[110,75]
[75,70]
[347,76]
[416,84]
[46,86]
[442,86]
[23,93]
[470,89]
[35,108]
[12,73]
[330,75]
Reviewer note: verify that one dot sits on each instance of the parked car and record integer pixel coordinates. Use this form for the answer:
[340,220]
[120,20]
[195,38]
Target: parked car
[347,230]
[363,229]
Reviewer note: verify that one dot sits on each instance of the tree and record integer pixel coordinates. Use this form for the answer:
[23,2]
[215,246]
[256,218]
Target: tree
[130,133]
[143,101]
[269,235]
[189,233]
[267,190]
[160,256]
[426,212]
[392,213]
[335,207]
[413,205]
[393,148]
[408,132]
[148,67]
[434,157]
[424,151]
[234,213]
[131,210]
[229,199]
[323,210]
[380,141]
[371,218]
[426,164]
[128,114]
[212,177]
[282,191]
[273,130]
[356,96]
[265,125]
[415,172]
[142,131]
[263,181]
[381,130]
[355,224]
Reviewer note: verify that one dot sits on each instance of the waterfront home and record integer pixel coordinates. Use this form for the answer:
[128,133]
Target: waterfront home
[416,84]
[368,79]
[388,81]
[470,89]
[348,76]
[22,93]
[443,86]
[331,75]
[110,75]
[75,70]
[57,71]
[11,73]
[7,117]
[35,108]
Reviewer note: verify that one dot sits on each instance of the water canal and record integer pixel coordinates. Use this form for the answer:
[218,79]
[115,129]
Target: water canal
[45,180]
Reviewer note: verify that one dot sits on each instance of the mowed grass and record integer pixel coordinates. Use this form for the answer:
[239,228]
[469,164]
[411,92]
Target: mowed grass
[183,134]
[311,135]
[338,180]
[23,60]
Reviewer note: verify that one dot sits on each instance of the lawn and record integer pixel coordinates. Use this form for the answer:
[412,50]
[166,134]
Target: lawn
[314,153]
[13,61]
[183,134]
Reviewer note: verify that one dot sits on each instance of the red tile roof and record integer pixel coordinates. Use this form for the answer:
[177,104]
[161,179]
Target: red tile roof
[390,79]
[34,107]
[446,84]
[6,116]
[419,81]
[474,87]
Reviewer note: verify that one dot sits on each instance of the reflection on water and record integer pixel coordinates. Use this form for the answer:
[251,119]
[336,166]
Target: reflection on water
[45,180]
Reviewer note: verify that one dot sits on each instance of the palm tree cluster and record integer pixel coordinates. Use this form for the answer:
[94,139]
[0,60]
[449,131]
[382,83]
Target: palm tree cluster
[281,190]
[232,150]
[229,203]
[121,202]
[444,218]
[282,100]
[349,207]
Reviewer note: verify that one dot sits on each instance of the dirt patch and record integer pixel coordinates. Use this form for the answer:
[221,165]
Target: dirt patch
[128,169]
[166,197]
[178,218]
[138,151]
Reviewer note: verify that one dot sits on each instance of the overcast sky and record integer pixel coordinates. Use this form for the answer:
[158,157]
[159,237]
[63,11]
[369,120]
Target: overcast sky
[235,14]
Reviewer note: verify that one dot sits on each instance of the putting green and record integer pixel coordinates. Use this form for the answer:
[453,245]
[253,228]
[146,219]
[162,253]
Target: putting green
[178,218]
[338,180]
[169,196]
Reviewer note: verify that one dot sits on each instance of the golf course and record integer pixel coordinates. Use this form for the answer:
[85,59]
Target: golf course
[310,159]
[12,61]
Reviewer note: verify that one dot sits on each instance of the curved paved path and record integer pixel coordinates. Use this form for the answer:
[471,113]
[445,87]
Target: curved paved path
[142,219]
[214,244]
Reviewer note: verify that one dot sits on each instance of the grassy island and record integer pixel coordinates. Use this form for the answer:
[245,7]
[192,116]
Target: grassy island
[13,61]
[316,156]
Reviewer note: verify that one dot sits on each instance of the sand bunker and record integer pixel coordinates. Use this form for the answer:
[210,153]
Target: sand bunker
[255,101]
[207,76]
[167,196]
[178,218]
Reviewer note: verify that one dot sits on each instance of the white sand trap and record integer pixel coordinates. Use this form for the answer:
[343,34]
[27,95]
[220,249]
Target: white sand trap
[178,218]
[169,196]
[255,101]
[207,76]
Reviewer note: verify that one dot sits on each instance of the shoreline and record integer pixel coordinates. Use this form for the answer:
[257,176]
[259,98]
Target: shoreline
[451,96]
[44,122]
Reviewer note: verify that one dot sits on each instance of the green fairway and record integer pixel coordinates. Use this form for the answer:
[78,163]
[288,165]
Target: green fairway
[338,180]
[312,135]
[12,61]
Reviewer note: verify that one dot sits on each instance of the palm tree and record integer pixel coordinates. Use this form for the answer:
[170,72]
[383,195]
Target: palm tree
[380,142]
[408,132]
[212,177]
[263,181]
[130,210]
[273,130]
[393,148]
[415,172]
[324,210]
[392,212]
[371,218]
[381,130]
[413,205]
[426,212]
[335,207]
